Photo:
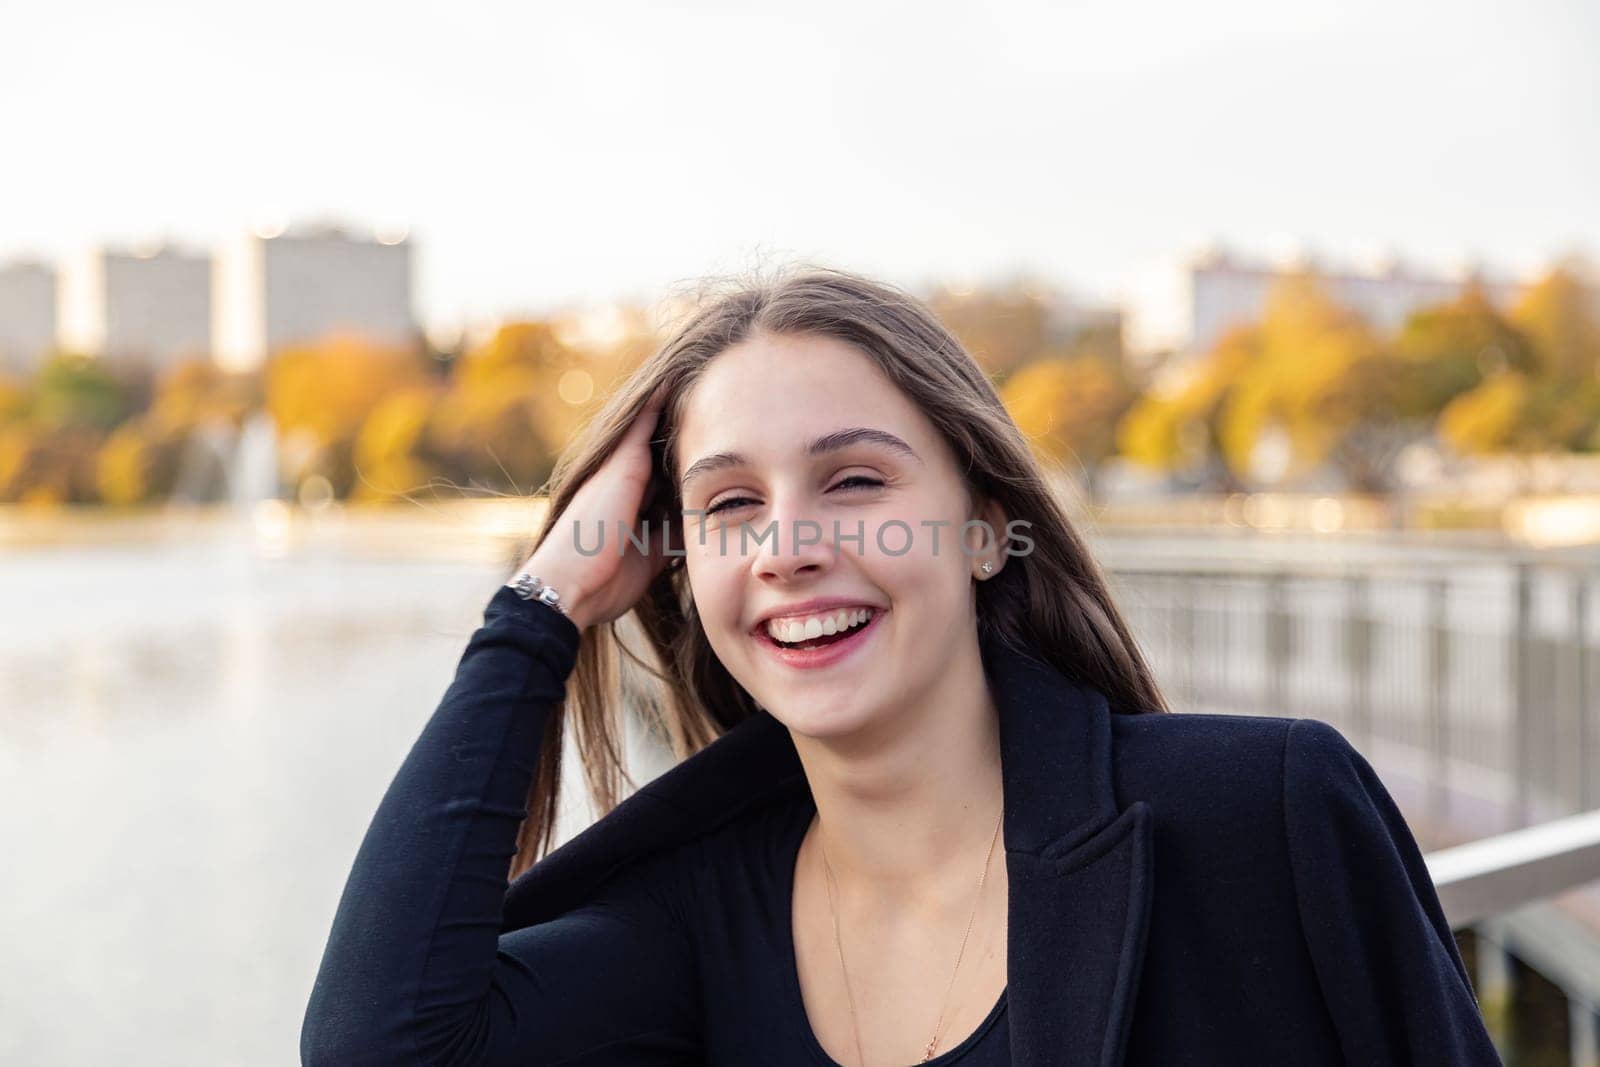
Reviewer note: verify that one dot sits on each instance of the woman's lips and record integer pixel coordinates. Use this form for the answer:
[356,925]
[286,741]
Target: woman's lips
[823,655]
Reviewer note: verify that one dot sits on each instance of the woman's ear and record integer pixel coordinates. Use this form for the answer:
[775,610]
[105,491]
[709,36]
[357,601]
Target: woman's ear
[986,544]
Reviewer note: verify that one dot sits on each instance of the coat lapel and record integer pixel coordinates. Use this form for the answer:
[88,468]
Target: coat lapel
[1079,868]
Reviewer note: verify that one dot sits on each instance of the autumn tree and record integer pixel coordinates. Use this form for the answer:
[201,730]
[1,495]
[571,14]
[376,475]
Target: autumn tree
[517,399]
[1448,349]
[1010,326]
[1321,377]
[320,394]
[1311,371]
[1559,313]
[72,389]
[1539,388]
[391,451]
[53,431]
[1176,424]
[142,459]
[1069,408]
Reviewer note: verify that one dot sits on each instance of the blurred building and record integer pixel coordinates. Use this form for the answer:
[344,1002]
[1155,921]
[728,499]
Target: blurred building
[27,315]
[1070,319]
[1185,304]
[151,307]
[279,289]
[1227,292]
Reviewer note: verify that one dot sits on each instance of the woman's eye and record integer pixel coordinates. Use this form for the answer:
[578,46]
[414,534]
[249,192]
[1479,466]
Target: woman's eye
[855,481]
[723,505]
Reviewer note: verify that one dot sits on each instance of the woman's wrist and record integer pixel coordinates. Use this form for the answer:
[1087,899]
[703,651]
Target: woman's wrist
[571,602]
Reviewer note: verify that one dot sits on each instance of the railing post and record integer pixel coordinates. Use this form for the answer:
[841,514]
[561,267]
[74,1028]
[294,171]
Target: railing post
[1224,629]
[1186,610]
[1585,1039]
[1358,658]
[1522,696]
[1437,810]
[1277,644]
[1495,979]
[1582,708]
[1522,675]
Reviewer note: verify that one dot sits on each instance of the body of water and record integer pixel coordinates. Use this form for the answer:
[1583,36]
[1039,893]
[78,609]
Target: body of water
[193,738]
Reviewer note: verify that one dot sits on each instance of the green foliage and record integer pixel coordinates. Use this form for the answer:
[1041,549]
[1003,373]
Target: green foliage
[74,390]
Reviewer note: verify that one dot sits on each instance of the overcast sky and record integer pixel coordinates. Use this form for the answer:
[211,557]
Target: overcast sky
[542,154]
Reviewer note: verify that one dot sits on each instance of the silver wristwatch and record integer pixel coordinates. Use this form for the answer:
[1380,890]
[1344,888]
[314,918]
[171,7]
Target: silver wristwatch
[529,587]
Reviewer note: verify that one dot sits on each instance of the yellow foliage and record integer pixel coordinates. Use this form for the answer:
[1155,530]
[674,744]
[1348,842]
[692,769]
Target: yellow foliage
[524,348]
[46,495]
[47,463]
[1558,315]
[384,452]
[1151,434]
[396,426]
[16,449]
[331,387]
[120,474]
[391,477]
[1170,428]
[1004,329]
[1314,373]
[494,434]
[529,361]
[1068,408]
[1485,419]
[13,400]
[1033,397]
[195,391]
[139,462]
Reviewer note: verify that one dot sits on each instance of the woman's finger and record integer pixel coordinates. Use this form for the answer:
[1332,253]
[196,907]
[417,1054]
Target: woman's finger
[645,422]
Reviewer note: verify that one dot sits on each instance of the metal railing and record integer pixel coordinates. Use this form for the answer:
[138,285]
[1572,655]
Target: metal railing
[1490,877]
[1469,678]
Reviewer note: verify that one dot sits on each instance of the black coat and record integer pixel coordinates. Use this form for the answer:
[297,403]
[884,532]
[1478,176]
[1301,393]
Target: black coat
[1184,888]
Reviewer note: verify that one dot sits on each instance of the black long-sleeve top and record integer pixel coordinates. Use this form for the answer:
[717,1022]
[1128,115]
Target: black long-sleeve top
[684,957]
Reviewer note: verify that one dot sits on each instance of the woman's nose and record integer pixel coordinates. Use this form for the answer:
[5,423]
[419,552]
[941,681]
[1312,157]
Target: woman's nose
[793,543]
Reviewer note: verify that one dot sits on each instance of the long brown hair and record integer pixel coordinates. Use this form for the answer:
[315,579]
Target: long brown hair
[1052,601]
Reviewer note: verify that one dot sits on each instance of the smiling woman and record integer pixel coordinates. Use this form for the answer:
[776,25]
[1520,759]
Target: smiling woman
[930,806]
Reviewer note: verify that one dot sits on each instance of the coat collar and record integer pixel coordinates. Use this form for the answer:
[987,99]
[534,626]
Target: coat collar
[1079,868]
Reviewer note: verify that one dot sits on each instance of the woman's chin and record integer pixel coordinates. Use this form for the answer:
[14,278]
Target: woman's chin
[823,721]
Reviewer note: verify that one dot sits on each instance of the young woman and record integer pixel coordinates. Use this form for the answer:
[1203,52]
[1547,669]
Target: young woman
[932,806]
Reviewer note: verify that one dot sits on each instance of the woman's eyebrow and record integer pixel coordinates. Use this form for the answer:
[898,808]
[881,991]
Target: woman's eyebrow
[828,442]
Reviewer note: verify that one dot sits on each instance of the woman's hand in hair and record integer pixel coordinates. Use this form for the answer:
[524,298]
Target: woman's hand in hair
[603,586]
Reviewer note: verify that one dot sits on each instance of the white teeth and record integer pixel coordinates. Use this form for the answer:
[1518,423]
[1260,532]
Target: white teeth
[789,631]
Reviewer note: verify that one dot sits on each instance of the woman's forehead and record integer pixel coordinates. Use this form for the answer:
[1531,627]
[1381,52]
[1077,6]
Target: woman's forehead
[786,397]
[770,381]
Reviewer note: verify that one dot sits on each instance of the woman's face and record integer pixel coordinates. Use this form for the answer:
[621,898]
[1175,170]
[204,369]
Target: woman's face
[745,444]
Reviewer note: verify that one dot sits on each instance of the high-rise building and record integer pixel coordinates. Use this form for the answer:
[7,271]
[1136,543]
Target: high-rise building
[279,289]
[147,306]
[27,315]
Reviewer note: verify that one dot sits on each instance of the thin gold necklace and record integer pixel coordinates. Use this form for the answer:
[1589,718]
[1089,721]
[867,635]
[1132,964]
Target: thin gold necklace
[855,1025]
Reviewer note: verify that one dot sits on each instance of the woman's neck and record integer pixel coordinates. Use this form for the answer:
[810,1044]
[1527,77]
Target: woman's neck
[907,807]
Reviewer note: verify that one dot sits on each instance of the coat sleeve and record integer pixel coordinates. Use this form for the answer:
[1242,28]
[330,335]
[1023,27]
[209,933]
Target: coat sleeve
[1387,963]
[416,970]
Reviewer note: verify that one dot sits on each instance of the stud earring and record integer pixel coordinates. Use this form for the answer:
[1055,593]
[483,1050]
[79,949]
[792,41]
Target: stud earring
[987,566]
